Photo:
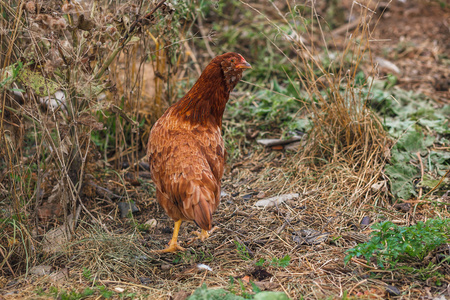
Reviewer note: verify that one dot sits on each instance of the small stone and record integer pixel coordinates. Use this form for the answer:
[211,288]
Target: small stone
[365,221]
[126,207]
[247,197]
[145,280]
[404,207]
[41,270]
[392,290]
[151,223]
[261,195]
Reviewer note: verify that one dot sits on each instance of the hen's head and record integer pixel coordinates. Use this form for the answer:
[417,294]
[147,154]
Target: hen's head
[232,65]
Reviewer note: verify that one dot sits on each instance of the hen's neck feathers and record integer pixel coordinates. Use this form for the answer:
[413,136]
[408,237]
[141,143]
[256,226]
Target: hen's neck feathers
[206,100]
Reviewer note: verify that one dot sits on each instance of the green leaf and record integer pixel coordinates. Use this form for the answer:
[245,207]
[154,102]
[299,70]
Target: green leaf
[260,262]
[401,178]
[271,296]
[17,90]
[390,243]
[40,85]
[255,288]
[203,293]
[412,142]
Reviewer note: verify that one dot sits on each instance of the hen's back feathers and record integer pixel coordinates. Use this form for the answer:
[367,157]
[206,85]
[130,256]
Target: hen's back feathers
[186,150]
[187,165]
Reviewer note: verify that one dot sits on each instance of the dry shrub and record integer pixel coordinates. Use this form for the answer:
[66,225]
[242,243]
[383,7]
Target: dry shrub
[347,147]
[346,135]
[59,77]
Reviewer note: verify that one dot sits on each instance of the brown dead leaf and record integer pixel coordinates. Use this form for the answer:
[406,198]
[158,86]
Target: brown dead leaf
[90,121]
[56,239]
[49,211]
[181,295]
[310,237]
[85,23]
[41,270]
[60,276]
[266,285]
[66,145]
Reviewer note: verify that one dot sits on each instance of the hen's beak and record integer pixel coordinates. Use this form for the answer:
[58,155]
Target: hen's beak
[244,65]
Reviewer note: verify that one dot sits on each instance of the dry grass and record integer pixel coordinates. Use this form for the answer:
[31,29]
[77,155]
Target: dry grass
[347,146]
[334,174]
[54,89]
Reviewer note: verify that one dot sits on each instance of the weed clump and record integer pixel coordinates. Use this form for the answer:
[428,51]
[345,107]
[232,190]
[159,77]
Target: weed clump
[390,243]
[347,144]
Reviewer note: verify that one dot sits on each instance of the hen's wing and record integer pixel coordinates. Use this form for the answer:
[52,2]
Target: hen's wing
[187,164]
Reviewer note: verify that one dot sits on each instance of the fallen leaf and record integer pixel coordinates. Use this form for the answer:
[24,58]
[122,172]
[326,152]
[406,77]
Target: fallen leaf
[268,202]
[181,295]
[55,239]
[41,270]
[261,195]
[271,296]
[392,290]
[310,237]
[278,142]
[60,276]
[383,63]
[378,185]
[404,207]
[365,221]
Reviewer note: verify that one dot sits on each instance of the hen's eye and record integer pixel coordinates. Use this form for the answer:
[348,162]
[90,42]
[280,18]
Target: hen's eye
[232,60]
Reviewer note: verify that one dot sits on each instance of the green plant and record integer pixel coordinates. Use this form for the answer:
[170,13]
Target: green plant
[192,256]
[69,295]
[203,293]
[417,124]
[390,243]
[87,274]
[242,289]
[281,262]
[276,262]
[105,292]
[242,251]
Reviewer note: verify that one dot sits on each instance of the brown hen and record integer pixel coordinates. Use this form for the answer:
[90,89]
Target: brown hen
[186,149]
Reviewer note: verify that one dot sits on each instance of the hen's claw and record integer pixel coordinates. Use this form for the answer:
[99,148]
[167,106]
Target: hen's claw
[172,248]
[201,236]
[204,234]
[173,245]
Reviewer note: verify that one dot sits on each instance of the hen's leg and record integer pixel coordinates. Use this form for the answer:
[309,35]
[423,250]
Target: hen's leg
[173,245]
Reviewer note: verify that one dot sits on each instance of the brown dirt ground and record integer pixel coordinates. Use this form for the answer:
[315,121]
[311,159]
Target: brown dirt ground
[414,36]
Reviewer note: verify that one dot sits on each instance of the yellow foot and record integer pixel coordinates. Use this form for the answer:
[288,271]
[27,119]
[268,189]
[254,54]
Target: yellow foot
[172,248]
[204,234]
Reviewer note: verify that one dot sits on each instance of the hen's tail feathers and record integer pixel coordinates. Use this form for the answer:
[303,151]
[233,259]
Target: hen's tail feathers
[203,210]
